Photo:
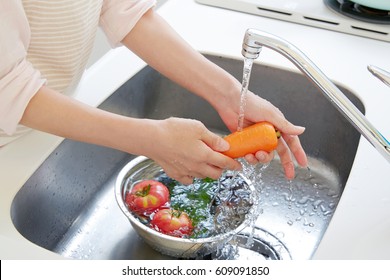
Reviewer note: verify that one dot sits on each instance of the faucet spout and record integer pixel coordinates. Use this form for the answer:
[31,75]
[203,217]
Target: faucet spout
[254,40]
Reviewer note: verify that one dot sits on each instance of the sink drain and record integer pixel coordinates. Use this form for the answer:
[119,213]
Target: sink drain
[259,245]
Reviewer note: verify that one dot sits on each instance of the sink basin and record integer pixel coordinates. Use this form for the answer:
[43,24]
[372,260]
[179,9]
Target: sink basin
[68,205]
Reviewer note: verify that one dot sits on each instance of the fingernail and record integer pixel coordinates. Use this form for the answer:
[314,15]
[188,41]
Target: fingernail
[223,145]
[261,157]
[238,168]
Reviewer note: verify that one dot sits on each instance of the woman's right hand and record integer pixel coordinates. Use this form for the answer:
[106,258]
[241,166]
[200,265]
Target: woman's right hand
[258,109]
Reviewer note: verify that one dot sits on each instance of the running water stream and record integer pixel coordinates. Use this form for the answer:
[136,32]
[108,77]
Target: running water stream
[244,90]
[248,62]
[248,171]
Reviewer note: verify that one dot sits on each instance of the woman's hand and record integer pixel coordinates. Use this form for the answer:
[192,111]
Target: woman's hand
[186,149]
[258,109]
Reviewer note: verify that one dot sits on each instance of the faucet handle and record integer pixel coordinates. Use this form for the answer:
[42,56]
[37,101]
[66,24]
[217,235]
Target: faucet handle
[381,74]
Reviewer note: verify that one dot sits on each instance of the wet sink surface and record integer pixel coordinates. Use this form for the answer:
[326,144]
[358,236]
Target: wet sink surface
[68,205]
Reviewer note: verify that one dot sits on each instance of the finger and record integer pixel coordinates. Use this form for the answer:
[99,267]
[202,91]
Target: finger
[276,117]
[286,159]
[214,141]
[296,148]
[287,127]
[221,161]
[260,156]
[251,159]
[186,180]
[208,171]
[200,173]
[203,170]
[264,157]
[218,144]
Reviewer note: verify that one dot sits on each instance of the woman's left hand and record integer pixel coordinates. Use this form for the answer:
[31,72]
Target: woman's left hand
[258,109]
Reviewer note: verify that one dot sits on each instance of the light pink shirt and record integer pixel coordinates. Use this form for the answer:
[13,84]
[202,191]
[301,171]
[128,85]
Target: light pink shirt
[49,42]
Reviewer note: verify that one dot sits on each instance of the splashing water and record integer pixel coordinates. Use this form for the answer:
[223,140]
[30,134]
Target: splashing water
[292,208]
[244,89]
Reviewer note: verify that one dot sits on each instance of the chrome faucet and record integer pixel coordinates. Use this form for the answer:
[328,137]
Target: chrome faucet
[254,40]
[381,74]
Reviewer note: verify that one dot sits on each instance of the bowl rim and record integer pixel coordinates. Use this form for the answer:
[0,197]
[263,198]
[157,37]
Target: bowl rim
[119,184]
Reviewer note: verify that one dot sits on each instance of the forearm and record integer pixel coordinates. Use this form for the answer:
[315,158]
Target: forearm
[61,115]
[168,53]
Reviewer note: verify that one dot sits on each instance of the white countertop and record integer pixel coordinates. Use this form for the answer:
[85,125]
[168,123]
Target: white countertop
[360,227]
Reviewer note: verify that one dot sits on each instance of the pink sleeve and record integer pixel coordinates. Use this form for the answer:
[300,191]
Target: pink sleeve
[118,17]
[19,81]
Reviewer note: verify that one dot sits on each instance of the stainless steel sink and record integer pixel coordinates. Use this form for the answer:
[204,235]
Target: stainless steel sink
[68,205]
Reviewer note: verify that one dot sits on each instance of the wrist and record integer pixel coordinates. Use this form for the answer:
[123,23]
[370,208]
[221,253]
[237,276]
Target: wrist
[139,136]
[225,93]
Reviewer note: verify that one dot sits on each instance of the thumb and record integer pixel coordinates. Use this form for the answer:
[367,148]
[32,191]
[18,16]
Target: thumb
[215,142]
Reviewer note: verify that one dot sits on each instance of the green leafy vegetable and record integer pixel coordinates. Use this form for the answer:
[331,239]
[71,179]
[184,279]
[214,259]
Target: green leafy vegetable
[193,199]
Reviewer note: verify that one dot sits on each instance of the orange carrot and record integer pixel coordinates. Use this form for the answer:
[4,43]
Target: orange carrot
[261,136]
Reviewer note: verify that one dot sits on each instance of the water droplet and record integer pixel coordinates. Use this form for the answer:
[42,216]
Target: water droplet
[317,203]
[333,193]
[327,213]
[332,205]
[303,200]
